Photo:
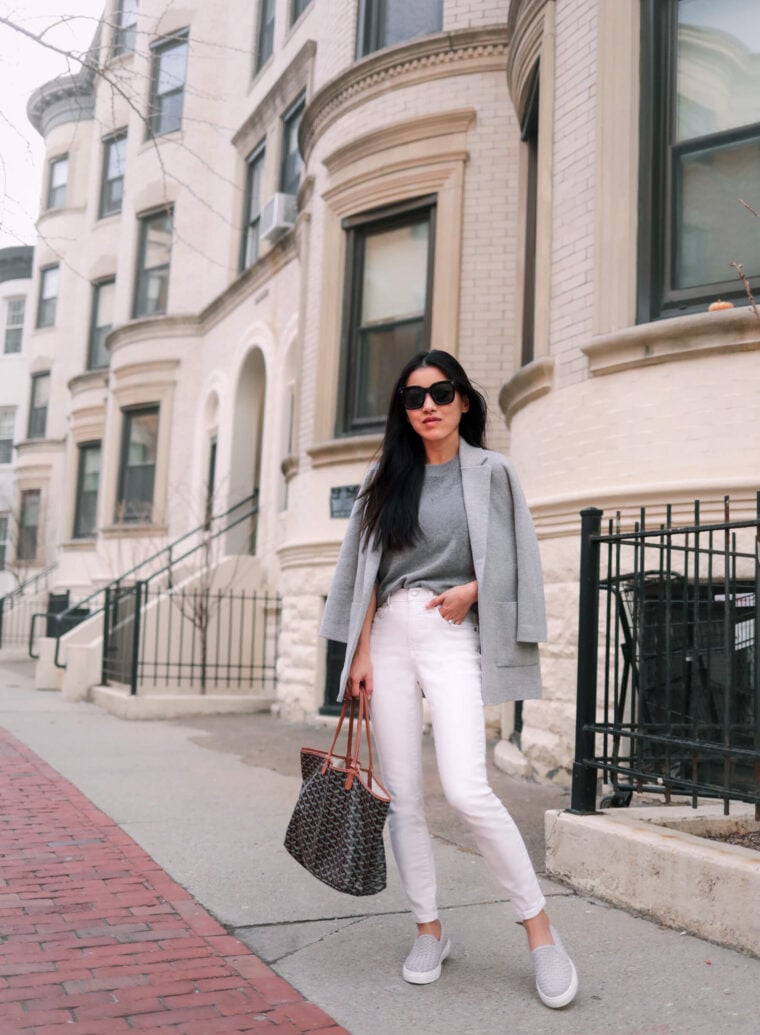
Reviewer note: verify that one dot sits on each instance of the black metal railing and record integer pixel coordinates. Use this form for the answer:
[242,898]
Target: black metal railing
[200,639]
[159,565]
[18,607]
[669,631]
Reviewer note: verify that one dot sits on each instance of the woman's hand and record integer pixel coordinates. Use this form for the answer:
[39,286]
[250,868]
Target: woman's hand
[360,674]
[456,602]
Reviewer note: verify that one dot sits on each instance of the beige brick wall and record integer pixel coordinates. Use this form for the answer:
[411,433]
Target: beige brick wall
[573,178]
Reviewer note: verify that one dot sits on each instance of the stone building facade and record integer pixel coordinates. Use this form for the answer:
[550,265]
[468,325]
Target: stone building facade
[253,212]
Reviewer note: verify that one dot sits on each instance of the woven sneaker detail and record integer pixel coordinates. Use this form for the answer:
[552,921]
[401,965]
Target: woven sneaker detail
[556,977]
[423,964]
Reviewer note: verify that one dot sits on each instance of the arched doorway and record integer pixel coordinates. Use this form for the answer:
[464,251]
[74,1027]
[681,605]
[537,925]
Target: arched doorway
[247,440]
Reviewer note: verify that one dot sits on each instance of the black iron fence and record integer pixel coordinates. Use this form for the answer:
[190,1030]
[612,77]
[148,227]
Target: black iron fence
[669,660]
[17,608]
[160,638]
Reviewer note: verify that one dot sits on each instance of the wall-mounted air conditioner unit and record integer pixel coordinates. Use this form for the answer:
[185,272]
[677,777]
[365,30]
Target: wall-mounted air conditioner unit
[277,217]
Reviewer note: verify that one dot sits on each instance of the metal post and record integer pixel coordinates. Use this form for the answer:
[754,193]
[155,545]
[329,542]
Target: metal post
[139,593]
[2,610]
[106,618]
[583,797]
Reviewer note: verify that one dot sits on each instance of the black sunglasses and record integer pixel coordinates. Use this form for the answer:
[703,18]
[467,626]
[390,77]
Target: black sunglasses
[441,392]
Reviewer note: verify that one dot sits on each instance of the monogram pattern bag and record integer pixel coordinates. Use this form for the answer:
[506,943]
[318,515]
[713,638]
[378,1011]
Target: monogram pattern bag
[336,830]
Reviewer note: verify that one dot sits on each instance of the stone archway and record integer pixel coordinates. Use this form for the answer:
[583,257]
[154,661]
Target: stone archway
[247,441]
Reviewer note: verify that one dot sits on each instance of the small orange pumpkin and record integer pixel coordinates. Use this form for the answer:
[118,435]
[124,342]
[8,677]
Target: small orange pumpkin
[719,304]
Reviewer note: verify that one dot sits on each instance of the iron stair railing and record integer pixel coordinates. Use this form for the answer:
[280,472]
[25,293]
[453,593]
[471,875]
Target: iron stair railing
[167,558]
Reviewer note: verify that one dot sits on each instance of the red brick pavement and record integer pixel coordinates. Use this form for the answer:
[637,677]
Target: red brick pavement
[96,939]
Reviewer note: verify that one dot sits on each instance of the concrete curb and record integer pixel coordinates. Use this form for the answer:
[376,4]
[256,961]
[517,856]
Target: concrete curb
[637,856]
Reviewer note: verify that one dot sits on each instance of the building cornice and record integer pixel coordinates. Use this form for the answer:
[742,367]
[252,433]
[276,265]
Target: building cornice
[679,338]
[428,127]
[308,555]
[345,450]
[530,382]
[89,379]
[445,54]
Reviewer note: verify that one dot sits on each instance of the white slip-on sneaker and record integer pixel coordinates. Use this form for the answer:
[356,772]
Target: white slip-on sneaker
[556,977]
[423,964]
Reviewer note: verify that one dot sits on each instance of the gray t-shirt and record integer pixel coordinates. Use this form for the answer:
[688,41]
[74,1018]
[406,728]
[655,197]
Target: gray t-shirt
[442,557]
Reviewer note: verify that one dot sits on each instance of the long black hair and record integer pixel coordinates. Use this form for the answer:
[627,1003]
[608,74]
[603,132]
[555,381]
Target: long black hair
[392,497]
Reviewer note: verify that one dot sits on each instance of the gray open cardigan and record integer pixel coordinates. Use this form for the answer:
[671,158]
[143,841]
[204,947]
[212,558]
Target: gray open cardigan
[507,566]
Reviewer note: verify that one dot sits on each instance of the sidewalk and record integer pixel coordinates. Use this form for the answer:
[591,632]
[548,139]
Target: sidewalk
[97,938]
[202,807]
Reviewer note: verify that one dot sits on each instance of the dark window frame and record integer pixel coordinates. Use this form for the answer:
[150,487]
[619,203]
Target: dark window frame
[255,160]
[4,526]
[93,339]
[291,116]
[6,444]
[658,199]
[372,28]
[108,207]
[43,304]
[36,426]
[529,136]
[13,336]
[128,414]
[156,112]
[124,34]
[357,229]
[28,545]
[142,275]
[51,201]
[264,33]
[297,8]
[80,531]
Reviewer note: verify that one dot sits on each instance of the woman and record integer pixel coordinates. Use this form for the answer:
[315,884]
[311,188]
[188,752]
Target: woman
[438,592]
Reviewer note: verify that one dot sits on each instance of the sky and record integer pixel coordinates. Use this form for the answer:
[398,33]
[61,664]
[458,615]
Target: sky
[25,65]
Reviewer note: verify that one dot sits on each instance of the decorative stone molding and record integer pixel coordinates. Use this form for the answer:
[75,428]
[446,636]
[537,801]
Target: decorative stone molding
[560,517]
[430,127]
[679,338]
[430,57]
[296,77]
[530,382]
[316,554]
[90,379]
[67,98]
[345,450]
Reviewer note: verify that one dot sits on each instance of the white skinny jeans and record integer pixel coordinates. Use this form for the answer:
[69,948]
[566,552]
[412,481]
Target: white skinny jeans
[413,649]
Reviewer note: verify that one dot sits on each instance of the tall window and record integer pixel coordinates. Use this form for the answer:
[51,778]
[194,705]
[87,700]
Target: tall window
[114,163]
[101,322]
[125,30]
[88,479]
[38,406]
[48,300]
[138,466]
[250,249]
[290,168]
[3,539]
[265,36]
[389,266]
[700,148]
[385,22]
[58,175]
[14,323]
[154,256]
[529,136]
[7,422]
[298,8]
[167,92]
[29,523]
